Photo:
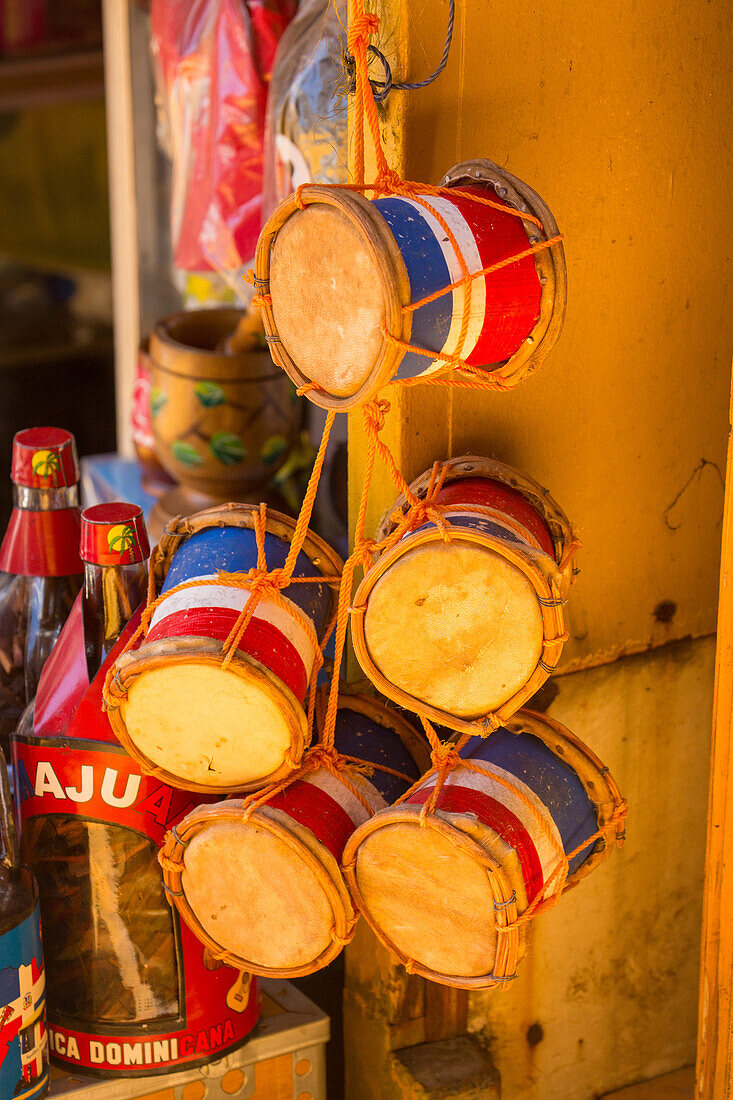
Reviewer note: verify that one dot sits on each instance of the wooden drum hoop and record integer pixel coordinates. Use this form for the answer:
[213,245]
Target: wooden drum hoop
[474,466]
[508,895]
[544,579]
[395,285]
[173,864]
[156,654]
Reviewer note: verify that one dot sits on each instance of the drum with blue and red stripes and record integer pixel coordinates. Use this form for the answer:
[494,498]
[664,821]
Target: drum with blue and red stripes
[268,890]
[497,839]
[462,620]
[218,729]
[343,272]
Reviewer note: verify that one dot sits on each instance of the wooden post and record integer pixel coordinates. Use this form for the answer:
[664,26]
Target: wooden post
[715,1034]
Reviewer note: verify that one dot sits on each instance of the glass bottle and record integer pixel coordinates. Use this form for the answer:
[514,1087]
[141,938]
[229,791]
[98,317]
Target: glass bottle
[40,569]
[23,1035]
[127,984]
[109,939]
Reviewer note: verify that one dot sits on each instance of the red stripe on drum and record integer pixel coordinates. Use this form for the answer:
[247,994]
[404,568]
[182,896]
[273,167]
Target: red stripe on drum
[261,640]
[520,800]
[339,791]
[455,799]
[492,494]
[317,811]
[293,622]
[513,293]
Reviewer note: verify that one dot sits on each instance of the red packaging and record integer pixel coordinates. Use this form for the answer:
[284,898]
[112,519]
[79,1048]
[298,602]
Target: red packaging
[213,62]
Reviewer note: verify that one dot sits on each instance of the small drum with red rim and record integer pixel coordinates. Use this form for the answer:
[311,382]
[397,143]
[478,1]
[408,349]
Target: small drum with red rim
[173,706]
[465,631]
[339,274]
[269,890]
[444,895]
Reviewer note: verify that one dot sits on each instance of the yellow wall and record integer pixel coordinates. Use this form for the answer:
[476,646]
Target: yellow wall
[619,115]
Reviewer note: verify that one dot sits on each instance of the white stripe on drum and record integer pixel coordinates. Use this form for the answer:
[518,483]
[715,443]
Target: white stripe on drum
[547,852]
[341,794]
[216,595]
[467,243]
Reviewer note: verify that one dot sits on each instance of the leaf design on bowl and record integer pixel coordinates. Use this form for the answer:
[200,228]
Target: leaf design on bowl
[210,394]
[227,448]
[186,453]
[158,399]
[273,449]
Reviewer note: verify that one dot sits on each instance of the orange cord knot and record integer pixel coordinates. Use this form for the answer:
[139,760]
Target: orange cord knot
[375,414]
[391,183]
[261,300]
[445,757]
[361,27]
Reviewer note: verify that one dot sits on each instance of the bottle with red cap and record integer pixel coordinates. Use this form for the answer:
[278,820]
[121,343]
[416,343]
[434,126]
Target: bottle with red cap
[40,568]
[128,991]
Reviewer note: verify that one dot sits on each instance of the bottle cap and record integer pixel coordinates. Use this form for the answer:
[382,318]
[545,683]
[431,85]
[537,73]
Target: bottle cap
[113,534]
[44,458]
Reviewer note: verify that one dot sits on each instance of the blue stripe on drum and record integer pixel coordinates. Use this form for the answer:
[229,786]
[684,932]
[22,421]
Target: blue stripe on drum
[478,523]
[428,271]
[234,550]
[553,781]
[358,735]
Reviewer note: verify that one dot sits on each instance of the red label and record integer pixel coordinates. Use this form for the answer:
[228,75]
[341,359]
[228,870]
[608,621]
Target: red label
[44,458]
[103,784]
[42,544]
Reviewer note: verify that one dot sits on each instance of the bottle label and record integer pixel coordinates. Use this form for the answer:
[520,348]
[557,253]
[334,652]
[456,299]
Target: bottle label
[101,783]
[42,544]
[23,1037]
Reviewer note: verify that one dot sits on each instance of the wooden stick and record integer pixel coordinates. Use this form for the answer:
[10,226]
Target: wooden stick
[715,1032]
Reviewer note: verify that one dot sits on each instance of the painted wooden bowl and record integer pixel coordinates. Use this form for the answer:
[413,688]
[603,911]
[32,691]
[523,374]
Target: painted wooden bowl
[223,423]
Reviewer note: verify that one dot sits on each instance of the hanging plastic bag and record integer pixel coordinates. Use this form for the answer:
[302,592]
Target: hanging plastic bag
[305,133]
[213,61]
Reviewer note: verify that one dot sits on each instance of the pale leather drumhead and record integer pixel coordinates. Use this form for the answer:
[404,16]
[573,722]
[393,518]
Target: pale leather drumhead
[327,298]
[256,896]
[455,625]
[206,724]
[429,898]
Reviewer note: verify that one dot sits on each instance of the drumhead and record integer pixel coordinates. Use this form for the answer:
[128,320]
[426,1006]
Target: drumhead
[260,891]
[210,727]
[428,896]
[328,298]
[455,625]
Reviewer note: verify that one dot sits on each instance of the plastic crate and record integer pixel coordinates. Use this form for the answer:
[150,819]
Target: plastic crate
[284,1058]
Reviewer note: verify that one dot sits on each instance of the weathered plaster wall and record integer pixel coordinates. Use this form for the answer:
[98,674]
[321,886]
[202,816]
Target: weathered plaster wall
[610,980]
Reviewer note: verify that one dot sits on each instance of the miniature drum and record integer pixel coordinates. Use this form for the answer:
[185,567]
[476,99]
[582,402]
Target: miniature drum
[352,269]
[269,889]
[174,708]
[445,895]
[466,631]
